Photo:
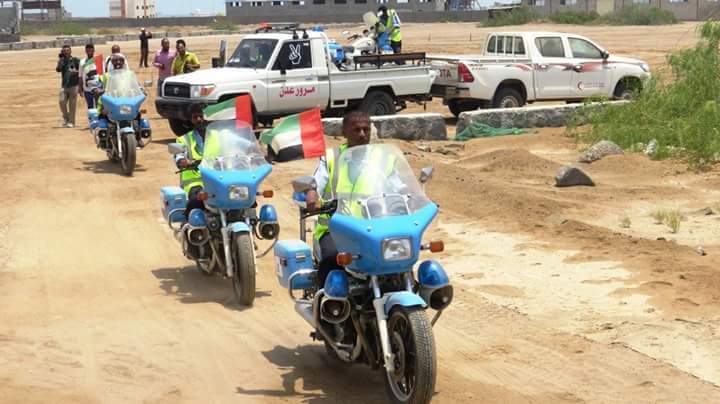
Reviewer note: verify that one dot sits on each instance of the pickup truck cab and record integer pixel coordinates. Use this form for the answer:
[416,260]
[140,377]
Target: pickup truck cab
[524,67]
[292,70]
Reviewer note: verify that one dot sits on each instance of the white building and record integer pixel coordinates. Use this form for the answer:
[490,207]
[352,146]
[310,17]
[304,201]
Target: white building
[133,9]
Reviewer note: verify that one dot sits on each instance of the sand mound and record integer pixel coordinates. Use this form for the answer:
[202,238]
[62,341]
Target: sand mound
[519,160]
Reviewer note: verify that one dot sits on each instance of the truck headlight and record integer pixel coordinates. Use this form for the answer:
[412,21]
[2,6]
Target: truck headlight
[125,110]
[201,91]
[645,67]
[396,249]
[238,192]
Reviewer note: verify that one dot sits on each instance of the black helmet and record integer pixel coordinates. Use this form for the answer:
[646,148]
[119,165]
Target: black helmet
[383,9]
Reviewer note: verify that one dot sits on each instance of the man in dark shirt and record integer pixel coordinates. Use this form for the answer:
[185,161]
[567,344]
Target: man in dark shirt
[144,47]
[69,67]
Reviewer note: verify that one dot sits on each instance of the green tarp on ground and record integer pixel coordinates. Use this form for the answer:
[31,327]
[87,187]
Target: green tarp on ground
[479,130]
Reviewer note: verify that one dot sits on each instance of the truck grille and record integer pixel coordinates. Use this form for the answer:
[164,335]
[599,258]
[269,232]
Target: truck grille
[176,90]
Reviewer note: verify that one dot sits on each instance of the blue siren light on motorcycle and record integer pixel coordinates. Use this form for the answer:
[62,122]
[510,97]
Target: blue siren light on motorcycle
[197,218]
[299,197]
[336,285]
[432,274]
[435,286]
[268,214]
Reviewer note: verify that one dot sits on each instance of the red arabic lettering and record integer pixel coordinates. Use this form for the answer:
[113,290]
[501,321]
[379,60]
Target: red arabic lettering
[296,91]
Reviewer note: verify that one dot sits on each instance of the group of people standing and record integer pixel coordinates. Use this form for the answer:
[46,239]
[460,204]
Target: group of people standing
[81,76]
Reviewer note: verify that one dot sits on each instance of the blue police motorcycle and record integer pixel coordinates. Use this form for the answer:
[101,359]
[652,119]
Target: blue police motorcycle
[222,236]
[373,311]
[121,131]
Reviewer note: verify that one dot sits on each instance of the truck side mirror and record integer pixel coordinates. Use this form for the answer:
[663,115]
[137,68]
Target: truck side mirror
[176,148]
[303,184]
[605,55]
[222,59]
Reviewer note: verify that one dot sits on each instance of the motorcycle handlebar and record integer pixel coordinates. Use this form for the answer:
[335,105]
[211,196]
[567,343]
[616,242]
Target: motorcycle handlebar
[326,208]
[191,167]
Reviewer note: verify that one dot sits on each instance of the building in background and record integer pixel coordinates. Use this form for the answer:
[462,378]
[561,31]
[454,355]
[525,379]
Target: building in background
[135,9]
[42,10]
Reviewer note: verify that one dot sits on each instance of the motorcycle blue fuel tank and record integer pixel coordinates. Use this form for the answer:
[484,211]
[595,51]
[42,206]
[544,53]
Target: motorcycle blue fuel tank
[218,183]
[364,238]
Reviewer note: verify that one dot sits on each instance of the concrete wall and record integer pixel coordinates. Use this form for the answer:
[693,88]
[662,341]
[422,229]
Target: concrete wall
[688,11]
[328,7]
[347,13]
[271,14]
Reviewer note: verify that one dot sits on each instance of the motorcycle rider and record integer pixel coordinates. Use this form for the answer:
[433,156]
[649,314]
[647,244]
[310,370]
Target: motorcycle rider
[194,141]
[356,129]
[118,63]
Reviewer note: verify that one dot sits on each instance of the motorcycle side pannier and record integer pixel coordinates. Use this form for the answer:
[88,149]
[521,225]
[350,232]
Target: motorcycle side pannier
[292,256]
[173,198]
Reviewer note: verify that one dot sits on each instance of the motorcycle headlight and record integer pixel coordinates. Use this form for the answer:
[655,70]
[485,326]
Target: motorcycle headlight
[201,91]
[238,192]
[396,249]
[125,110]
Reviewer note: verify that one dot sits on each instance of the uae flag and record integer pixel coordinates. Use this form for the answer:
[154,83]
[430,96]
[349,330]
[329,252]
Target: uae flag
[238,108]
[296,137]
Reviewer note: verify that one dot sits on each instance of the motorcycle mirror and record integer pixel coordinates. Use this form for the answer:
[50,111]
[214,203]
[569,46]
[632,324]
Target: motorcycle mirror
[176,148]
[426,174]
[303,184]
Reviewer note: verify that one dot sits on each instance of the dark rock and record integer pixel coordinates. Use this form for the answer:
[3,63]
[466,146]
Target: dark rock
[569,176]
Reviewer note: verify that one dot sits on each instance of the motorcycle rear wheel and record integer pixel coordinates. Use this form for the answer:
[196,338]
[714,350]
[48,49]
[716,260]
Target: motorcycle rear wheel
[244,270]
[127,161]
[413,346]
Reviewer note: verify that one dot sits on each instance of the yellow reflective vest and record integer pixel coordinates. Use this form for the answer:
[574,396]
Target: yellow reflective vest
[340,184]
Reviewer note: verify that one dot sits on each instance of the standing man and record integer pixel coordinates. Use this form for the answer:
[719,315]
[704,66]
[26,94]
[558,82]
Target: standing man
[163,62]
[108,60]
[144,46]
[89,79]
[391,22]
[69,68]
[184,62]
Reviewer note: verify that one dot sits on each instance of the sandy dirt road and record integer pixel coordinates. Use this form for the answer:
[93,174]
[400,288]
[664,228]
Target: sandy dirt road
[555,302]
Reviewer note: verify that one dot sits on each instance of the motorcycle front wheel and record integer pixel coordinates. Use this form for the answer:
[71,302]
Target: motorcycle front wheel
[244,270]
[413,347]
[127,160]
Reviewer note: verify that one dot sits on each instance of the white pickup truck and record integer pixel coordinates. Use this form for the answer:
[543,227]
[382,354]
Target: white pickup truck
[524,67]
[287,71]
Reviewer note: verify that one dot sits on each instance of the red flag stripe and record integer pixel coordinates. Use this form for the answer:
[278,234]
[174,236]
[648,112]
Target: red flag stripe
[243,111]
[312,133]
[99,65]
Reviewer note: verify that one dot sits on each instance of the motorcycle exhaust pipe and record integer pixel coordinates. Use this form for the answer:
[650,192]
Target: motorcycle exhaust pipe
[334,311]
[198,236]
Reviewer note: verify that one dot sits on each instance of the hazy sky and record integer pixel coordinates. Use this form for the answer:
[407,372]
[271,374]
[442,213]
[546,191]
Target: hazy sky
[99,8]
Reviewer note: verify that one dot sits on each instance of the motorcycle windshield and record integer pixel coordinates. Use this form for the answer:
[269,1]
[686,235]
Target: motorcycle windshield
[375,181]
[123,84]
[231,148]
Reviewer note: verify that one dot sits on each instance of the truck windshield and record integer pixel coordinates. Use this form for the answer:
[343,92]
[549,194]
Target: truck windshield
[253,53]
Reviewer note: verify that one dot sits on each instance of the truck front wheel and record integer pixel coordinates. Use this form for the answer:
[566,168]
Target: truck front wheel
[180,127]
[378,103]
